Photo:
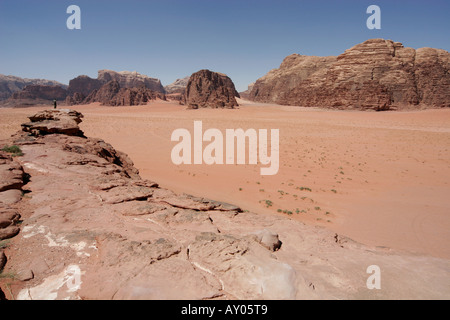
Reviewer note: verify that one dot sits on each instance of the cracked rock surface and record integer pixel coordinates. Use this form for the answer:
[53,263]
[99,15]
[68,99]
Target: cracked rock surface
[93,229]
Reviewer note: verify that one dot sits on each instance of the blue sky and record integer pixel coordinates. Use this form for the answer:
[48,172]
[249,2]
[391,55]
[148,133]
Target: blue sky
[170,39]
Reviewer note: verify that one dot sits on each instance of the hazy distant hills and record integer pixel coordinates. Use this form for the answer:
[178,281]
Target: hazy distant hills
[179,86]
[11,84]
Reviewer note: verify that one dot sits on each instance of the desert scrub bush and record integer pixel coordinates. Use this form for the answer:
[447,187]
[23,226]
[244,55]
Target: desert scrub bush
[304,189]
[14,150]
[4,244]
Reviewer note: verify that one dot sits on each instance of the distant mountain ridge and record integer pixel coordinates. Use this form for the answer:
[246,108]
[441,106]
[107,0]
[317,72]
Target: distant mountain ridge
[10,84]
[178,86]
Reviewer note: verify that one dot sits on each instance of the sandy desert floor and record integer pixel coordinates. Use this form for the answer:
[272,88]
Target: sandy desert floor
[382,179]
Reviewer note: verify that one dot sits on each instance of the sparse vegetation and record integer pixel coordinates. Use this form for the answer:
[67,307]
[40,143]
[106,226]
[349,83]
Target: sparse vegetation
[14,150]
[7,275]
[4,244]
[268,203]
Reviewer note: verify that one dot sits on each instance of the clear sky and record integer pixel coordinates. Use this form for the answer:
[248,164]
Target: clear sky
[170,39]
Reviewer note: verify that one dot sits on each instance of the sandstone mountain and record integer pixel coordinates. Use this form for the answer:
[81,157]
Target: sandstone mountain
[377,74]
[129,79]
[83,85]
[207,89]
[111,94]
[12,84]
[80,223]
[35,94]
[137,88]
[179,86]
[37,91]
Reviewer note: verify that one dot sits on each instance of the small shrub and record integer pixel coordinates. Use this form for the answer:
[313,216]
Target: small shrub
[14,150]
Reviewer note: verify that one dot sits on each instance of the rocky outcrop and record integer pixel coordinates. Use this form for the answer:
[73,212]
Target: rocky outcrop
[127,79]
[114,89]
[111,94]
[83,85]
[12,179]
[62,121]
[93,229]
[207,89]
[76,98]
[377,74]
[41,92]
[12,84]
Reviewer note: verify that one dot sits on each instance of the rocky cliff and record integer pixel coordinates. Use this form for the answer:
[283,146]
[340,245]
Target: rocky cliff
[207,89]
[114,89]
[377,74]
[83,85]
[37,91]
[127,79]
[12,84]
[80,223]
[111,94]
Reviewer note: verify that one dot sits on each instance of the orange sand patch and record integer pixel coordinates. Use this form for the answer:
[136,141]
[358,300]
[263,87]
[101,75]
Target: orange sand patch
[382,179]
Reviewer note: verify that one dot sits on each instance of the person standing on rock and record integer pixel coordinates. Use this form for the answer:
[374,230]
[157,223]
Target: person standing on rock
[54,103]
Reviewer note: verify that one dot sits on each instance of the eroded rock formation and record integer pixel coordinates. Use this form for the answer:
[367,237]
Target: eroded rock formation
[12,84]
[111,94]
[207,89]
[127,79]
[114,89]
[377,74]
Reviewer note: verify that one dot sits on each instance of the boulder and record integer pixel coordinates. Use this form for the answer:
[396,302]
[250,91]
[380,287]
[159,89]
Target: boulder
[268,239]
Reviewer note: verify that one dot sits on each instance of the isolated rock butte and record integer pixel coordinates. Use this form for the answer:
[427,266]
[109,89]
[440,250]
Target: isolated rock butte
[88,213]
[207,89]
[377,74]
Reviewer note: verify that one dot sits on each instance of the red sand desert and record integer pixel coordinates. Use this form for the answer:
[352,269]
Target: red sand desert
[381,179]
